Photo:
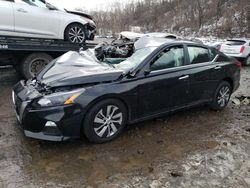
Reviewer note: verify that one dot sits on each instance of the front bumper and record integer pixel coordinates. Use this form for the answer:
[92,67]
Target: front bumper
[36,123]
[91,31]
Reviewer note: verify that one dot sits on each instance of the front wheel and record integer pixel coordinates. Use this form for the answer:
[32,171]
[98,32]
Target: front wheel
[222,96]
[105,121]
[75,33]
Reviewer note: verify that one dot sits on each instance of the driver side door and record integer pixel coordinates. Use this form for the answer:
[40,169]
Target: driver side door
[34,19]
[166,86]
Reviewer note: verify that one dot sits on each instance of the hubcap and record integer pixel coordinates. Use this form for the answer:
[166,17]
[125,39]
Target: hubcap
[37,65]
[76,35]
[108,121]
[223,96]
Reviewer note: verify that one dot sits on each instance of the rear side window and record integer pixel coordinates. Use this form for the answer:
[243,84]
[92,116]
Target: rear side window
[223,58]
[198,55]
[235,42]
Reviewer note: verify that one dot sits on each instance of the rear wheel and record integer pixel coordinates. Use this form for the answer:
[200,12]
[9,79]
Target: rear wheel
[222,96]
[75,33]
[105,121]
[34,63]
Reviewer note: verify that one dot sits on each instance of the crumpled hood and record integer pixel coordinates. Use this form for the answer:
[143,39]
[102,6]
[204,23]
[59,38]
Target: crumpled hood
[74,68]
[80,14]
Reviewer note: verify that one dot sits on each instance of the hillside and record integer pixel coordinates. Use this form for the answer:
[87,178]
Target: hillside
[221,18]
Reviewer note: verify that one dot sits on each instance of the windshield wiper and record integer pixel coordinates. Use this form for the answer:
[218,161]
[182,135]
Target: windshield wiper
[111,65]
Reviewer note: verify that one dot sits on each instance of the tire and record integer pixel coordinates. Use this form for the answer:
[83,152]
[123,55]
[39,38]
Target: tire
[34,63]
[247,61]
[98,128]
[222,96]
[75,33]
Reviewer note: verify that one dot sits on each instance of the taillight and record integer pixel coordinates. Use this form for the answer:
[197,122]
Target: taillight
[242,49]
[238,64]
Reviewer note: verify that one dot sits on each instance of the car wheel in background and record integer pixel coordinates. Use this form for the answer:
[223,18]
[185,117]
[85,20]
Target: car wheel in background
[34,63]
[105,121]
[75,33]
[222,96]
[247,62]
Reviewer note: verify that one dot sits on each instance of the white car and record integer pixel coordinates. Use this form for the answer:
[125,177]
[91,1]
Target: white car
[238,48]
[39,19]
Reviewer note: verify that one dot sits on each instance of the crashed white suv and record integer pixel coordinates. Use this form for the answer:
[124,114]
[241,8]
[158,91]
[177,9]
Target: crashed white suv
[238,48]
[39,19]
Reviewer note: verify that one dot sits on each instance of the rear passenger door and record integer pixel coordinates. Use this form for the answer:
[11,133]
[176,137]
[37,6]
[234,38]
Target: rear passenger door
[6,17]
[205,73]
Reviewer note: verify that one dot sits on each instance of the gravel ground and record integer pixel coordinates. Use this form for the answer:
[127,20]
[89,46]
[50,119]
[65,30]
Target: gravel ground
[194,148]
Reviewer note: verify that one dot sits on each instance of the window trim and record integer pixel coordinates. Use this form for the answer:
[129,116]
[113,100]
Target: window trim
[197,46]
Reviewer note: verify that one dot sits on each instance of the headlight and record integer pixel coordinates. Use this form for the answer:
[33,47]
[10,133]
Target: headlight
[59,99]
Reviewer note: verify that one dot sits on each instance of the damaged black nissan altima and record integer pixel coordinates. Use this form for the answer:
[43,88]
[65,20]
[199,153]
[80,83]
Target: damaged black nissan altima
[78,95]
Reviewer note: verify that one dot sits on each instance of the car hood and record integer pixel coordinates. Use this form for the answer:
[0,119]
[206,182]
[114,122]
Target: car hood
[75,68]
[79,14]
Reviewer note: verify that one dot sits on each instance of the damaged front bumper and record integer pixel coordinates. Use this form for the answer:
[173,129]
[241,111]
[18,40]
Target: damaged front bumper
[91,31]
[59,123]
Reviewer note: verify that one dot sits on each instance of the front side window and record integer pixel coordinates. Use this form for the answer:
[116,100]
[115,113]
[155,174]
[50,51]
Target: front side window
[169,58]
[198,55]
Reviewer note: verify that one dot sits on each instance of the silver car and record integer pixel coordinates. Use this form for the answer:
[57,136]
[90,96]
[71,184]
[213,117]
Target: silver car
[238,48]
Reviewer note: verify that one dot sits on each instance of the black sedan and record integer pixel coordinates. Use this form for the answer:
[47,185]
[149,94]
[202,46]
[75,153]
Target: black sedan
[78,95]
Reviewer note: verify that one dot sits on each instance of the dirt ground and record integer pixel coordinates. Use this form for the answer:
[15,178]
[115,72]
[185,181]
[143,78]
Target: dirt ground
[194,148]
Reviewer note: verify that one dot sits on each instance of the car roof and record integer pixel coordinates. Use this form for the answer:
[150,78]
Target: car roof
[146,41]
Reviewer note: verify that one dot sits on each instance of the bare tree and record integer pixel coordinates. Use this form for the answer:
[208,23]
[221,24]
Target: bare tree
[188,16]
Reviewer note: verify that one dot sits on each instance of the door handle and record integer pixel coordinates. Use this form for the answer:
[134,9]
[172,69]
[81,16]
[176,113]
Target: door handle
[217,67]
[184,77]
[22,10]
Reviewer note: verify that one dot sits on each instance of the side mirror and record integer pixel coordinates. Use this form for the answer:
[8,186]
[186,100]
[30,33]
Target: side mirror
[50,7]
[147,72]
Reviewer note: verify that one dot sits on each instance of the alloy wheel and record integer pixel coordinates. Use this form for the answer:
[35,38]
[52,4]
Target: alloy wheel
[76,35]
[223,96]
[108,121]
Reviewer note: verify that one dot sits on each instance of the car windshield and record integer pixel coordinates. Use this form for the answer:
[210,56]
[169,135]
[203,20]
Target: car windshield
[133,61]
